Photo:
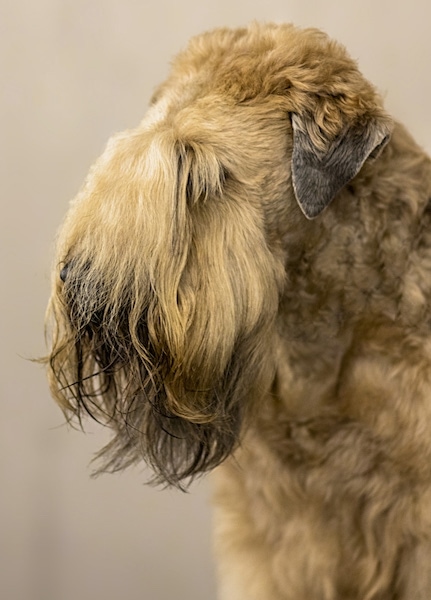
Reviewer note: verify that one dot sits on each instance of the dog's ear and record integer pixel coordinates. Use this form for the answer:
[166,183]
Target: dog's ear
[321,168]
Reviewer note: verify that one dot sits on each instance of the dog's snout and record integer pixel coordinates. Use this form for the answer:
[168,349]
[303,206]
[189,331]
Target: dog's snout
[63,273]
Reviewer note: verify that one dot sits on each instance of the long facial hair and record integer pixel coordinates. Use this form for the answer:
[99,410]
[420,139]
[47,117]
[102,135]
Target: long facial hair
[163,310]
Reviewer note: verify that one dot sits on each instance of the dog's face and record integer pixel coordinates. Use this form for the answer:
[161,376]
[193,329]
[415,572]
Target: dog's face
[171,262]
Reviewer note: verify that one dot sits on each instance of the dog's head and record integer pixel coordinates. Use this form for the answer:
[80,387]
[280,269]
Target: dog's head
[170,265]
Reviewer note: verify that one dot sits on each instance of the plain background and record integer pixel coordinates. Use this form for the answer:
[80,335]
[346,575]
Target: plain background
[72,73]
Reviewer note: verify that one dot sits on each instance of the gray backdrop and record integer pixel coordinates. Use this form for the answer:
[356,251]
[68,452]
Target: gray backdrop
[73,72]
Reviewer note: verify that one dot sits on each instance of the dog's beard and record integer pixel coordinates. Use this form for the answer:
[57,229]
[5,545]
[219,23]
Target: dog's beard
[183,415]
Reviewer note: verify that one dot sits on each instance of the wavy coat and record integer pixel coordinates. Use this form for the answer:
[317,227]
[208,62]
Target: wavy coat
[244,282]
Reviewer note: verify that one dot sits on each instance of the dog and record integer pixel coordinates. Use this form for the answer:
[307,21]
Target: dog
[243,285]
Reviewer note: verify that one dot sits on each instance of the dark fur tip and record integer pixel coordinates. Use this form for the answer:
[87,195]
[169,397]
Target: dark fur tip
[176,450]
[113,385]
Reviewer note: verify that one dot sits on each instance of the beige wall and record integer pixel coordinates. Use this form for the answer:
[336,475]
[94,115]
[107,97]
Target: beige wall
[73,72]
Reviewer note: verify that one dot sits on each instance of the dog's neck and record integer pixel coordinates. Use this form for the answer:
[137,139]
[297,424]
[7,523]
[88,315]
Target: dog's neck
[353,276]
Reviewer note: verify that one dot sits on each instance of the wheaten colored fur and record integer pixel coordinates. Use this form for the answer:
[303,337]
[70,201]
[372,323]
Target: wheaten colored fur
[246,281]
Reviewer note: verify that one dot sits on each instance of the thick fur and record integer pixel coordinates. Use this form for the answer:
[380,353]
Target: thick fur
[245,280]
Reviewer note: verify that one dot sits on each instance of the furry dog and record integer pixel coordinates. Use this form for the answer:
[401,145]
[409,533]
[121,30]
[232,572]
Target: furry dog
[244,282]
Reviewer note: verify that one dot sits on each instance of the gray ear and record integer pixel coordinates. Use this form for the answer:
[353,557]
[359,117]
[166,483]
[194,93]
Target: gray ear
[318,175]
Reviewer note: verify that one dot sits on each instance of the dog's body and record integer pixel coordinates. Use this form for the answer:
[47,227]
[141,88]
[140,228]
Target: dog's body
[213,308]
